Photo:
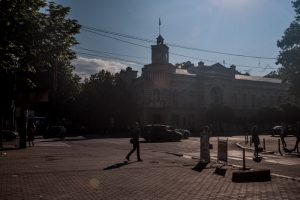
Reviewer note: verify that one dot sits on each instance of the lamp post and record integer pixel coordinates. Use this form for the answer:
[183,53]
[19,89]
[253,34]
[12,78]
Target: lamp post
[13,101]
[22,114]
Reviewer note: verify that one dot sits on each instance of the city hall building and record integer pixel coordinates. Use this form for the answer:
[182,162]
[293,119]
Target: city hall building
[165,94]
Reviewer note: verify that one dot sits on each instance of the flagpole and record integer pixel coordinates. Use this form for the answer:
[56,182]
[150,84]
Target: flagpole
[159,29]
[159,23]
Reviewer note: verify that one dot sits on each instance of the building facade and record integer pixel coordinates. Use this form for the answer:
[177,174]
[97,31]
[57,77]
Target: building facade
[166,94]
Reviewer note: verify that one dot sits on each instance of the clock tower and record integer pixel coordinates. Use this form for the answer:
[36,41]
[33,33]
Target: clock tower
[160,52]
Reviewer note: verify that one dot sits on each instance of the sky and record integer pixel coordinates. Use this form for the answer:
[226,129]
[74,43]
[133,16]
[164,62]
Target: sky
[243,27]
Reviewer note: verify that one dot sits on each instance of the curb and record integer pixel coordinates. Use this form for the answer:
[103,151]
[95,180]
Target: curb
[252,149]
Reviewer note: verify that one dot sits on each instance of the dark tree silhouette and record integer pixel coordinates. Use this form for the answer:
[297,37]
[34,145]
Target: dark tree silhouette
[289,56]
[35,54]
[105,103]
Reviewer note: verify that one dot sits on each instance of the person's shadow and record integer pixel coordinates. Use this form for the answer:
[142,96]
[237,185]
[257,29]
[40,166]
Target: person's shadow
[118,165]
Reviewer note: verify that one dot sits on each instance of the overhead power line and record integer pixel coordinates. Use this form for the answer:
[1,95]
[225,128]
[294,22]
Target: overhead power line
[214,61]
[97,30]
[111,57]
[142,63]
[110,53]
[147,47]
[103,35]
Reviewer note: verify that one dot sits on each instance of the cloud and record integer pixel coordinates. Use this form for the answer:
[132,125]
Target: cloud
[84,67]
[233,5]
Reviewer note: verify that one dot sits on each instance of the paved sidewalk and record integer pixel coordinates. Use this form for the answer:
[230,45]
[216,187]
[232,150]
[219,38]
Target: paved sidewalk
[95,169]
[271,143]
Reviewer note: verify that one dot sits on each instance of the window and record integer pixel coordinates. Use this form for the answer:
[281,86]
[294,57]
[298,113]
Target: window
[235,100]
[156,95]
[253,102]
[245,103]
[216,96]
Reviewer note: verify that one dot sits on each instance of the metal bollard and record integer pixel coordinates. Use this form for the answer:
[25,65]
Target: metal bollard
[264,144]
[244,160]
[245,139]
[250,141]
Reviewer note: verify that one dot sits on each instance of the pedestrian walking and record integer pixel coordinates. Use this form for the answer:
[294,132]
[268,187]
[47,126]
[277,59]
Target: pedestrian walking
[256,141]
[283,134]
[135,135]
[296,148]
[31,133]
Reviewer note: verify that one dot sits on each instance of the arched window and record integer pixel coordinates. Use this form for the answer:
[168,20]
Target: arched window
[191,97]
[253,100]
[156,95]
[175,98]
[244,99]
[216,96]
[235,100]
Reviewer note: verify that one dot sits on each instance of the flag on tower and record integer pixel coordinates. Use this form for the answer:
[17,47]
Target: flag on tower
[159,23]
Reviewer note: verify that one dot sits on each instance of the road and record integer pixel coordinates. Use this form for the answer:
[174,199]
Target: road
[285,165]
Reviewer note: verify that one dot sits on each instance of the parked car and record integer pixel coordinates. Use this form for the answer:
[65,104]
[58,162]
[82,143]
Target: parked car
[184,132]
[55,131]
[290,130]
[8,135]
[160,133]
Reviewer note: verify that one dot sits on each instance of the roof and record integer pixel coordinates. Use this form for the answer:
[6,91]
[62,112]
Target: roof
[257,78]
[183,72]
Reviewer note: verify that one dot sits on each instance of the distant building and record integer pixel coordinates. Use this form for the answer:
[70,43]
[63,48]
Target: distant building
[166,94]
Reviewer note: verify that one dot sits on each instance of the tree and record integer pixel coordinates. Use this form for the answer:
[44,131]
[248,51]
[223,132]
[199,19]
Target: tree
[104,100]
[289,56]
[185,65]
[35,53]
[272,74]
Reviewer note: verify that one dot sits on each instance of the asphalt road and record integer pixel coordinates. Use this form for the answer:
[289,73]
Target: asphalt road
[286,165]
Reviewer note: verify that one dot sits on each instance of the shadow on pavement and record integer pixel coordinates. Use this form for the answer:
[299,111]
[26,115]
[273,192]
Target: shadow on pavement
[9,149]
[200,166]
[118,165]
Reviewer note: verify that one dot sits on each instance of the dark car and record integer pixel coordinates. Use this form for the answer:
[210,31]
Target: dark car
[55,131]
[290,130]
[184,132]
[160,133]
[8,135]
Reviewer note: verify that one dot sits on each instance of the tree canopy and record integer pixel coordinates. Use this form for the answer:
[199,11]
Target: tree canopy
[105,103]
[289,55]
[35,52]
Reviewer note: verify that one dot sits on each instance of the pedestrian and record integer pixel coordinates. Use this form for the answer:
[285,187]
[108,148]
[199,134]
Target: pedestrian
[296,148]
[31,133]
[283,134]
[135,135]
[256,141]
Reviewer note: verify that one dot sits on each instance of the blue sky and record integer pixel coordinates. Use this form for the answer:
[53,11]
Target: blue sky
[248,27]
